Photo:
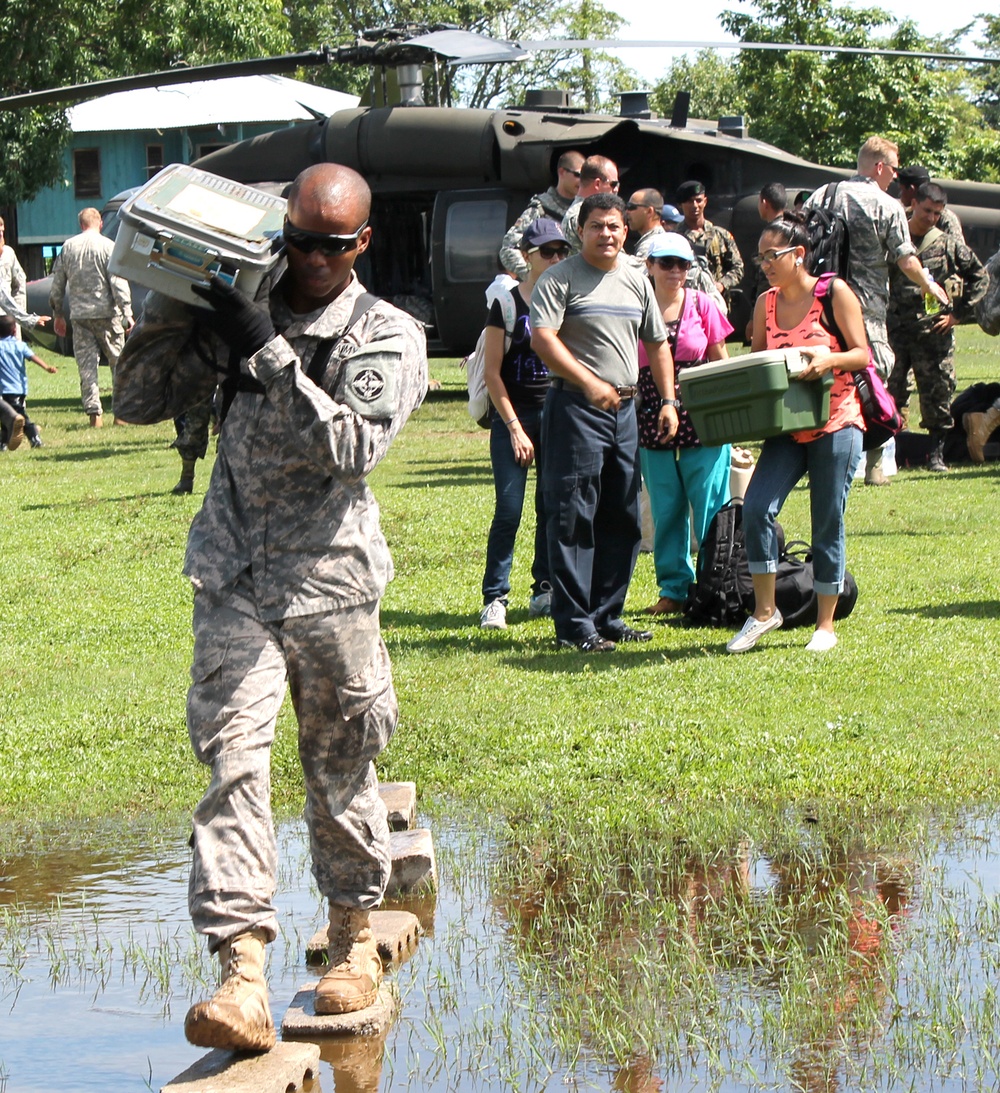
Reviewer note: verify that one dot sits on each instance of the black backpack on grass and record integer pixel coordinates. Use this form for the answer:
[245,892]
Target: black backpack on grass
[723,591]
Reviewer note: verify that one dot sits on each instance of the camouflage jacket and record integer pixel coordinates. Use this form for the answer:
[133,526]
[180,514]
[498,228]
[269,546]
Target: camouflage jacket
[718,248]
[288,503]
[551,204]
[12,277]
[571,225]
[646,241]
[954,266]
[94,292]
[879,237]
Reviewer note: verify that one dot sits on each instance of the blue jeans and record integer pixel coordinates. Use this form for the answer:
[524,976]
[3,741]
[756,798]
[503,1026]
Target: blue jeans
[591,480]
[509,481]
[679,482]
[830,463]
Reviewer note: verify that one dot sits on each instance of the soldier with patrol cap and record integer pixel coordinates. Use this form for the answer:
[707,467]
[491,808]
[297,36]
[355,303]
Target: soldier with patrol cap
[288,564]
[910,179]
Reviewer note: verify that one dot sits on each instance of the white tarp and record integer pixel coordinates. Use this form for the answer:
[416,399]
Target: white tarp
[237,99]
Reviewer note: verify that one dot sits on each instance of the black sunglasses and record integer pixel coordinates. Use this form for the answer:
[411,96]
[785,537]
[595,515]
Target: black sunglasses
[570,171]
[668,261]
[552,250]
[329,245]
[608,182]
[632,206]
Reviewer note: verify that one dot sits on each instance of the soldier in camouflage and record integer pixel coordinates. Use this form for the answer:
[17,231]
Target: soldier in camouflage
[926,343]
[643,215]
[12,279]
[192,427]
[288,564]
[553,204]
[910,179]
[598,175]
[100,305]
[708,241]
[879,237]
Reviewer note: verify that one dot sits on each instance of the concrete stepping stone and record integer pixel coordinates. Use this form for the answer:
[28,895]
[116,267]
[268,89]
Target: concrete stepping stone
[400,799]
[302,1021]
[283,1069]
[396,934]
[414,869]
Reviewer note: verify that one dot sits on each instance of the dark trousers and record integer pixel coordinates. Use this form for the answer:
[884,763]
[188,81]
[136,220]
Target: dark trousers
[16,403]
[590,477]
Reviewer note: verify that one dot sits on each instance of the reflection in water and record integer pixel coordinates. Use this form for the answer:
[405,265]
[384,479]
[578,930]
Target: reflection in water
[808,961]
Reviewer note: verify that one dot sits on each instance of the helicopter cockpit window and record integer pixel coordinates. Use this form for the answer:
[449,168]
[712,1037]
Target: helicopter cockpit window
[474,230]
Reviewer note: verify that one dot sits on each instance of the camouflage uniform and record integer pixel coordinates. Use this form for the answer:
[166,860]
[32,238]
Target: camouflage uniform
[951,225]
[718,248]
[193,427]
[931,355]
[288,563]
[12,280]
[646,241]
[551,204]
[571,225]
[879,235]
[100,305]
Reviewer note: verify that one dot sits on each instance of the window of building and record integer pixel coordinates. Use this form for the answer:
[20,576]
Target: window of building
[87,172]
[207,149]
[154,159]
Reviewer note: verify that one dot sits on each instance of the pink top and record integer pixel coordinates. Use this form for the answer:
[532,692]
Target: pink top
[845,406]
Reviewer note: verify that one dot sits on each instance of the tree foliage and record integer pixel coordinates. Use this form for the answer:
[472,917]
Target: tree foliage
[51,43]
[712,80]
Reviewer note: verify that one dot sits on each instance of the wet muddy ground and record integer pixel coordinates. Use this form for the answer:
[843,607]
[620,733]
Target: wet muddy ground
[757,971]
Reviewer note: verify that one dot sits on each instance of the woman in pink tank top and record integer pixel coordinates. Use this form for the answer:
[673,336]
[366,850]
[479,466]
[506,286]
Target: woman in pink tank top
[789,314]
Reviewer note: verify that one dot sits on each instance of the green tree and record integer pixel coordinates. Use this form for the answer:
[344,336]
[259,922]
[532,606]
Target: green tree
[712,80]
[52,43]
[823,106]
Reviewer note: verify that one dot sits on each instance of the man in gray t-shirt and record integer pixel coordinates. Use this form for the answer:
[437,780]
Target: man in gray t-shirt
[588,315]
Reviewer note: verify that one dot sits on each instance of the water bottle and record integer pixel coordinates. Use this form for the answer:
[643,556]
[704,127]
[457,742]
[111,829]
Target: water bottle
[932,305]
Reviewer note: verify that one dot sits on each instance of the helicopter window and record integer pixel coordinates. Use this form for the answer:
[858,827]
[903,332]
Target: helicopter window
[474,230]
[87,172]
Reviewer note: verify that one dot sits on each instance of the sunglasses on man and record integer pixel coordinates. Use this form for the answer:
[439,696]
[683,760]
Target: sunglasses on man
[328,245]
[613,183]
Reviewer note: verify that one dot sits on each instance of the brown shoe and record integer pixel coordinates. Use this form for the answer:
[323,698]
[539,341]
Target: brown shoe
[96,421]
[119,421]
[237,1017]
[16,433]
[664,606]
[355,973]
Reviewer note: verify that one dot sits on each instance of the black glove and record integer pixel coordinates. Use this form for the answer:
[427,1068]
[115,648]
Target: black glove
[238,321]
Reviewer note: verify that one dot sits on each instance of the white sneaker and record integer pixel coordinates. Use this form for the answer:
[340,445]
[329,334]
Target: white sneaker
[821,641]
[493,616]
[753,630]
[540,604]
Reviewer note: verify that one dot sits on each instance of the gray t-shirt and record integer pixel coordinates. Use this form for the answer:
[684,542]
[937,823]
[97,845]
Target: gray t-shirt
[600,316]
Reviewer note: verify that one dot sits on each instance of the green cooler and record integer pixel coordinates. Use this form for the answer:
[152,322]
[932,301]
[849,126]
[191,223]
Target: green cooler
[754,397]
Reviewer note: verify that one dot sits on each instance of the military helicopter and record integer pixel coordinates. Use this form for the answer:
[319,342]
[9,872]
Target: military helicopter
[447,182]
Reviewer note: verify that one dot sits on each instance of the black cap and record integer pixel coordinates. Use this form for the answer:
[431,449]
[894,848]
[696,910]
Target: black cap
[687,190]
[913,176]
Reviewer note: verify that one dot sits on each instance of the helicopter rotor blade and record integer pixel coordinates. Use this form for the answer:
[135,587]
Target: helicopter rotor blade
[785,47]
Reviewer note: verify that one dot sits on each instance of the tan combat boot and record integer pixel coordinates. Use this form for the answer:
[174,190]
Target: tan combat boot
[355,973]
[978,429]
[237,1017]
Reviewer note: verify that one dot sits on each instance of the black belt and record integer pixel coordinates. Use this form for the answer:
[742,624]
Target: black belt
[624,392]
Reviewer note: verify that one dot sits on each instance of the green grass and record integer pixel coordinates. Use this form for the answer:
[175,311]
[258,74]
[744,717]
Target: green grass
[93,664]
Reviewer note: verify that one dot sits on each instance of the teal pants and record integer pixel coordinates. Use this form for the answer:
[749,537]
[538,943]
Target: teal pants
[679,483]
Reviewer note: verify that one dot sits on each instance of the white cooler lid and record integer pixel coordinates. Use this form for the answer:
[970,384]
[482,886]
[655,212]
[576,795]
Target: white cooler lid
[790,358]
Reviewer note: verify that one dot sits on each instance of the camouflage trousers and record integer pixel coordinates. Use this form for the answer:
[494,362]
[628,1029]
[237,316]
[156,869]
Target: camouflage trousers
[192,431]
[90,337]
[931,358]
[337,668]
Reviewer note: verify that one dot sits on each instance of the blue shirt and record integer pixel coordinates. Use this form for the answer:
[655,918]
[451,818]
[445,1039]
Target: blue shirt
[13,374]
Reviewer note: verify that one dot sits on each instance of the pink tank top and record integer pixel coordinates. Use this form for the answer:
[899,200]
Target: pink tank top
[845,407]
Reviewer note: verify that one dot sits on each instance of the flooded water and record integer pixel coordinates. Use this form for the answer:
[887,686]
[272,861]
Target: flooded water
[811,965]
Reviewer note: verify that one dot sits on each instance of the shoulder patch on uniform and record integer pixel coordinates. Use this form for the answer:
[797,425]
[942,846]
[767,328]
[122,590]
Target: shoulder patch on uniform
[369,379]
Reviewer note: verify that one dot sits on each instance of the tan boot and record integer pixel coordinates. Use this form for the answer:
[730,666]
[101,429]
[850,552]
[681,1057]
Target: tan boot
[237,1017]
[355,973]
[978,429]
[96,421]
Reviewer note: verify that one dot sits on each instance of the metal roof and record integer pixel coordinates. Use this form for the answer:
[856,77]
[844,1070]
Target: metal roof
[208,102]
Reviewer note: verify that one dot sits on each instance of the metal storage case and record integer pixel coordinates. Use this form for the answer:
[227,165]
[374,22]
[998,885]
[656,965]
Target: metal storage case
[186,225]
[754,397]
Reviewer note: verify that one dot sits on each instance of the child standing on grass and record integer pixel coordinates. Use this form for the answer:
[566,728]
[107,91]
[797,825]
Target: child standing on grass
[14,422]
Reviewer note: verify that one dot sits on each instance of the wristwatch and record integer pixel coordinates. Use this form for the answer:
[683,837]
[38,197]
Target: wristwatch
[675,402]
